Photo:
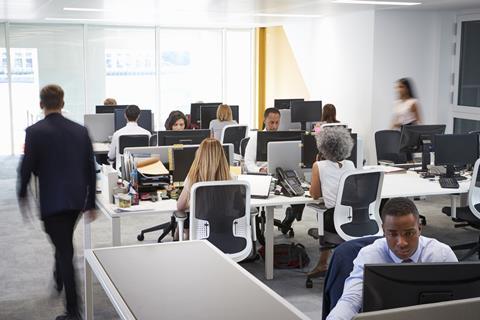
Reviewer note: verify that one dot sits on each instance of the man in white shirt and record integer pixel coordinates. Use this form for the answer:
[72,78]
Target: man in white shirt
[271,120]
[402,243]
[132,113]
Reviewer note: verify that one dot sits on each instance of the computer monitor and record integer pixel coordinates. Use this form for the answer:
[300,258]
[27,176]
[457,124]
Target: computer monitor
[284,103]
[144,120]
[110,109]
[170,137]
[387,286]
[100,126]
[455,150]
[209,113]
[195,110]
[182,159]
[310,151]
[264,137]
[306,111]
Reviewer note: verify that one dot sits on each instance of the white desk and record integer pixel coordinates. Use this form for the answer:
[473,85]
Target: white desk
[180,280]
[167,207]
[100,147]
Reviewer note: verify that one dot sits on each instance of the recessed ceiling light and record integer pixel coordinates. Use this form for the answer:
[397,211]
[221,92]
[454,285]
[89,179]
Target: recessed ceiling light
[85,9]
[385,3]
[284,15]
[76,19]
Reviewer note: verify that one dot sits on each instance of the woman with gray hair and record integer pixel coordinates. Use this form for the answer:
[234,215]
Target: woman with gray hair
[334,145]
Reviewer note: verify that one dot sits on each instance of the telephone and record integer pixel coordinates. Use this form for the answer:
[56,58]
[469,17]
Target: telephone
[291,185]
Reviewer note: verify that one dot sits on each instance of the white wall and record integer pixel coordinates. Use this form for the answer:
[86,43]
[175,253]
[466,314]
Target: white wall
[353,61]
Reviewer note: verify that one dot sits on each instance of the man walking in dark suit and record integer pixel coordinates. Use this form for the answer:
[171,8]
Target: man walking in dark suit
[59,152]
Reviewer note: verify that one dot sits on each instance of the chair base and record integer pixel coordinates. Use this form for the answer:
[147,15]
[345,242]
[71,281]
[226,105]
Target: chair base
[473,248]
[168,227]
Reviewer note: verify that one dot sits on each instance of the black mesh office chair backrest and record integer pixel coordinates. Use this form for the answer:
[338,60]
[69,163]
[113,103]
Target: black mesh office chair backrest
[234,135]
[243,145]
[127,141]
[359,192]
[387,144]
[220,205]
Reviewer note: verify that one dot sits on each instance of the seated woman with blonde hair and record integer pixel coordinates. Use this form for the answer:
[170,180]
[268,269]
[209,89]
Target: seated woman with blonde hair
[224,118]
[210,164]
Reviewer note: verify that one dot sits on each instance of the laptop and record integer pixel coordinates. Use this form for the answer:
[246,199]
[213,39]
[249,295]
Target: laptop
[259,185]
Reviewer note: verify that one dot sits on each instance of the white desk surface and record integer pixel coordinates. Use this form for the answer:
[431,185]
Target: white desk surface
[410,184]
[100,147]
[183,280]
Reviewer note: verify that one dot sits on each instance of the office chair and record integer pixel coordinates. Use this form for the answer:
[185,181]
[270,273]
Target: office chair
[167,227]
[126,141]
[234,134]
[356,213]
[340,267]
[220,213]
[243,146]
[387,145]
[469,216]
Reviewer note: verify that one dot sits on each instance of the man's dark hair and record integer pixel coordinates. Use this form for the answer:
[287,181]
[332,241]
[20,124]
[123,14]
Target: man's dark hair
[51,97]
[398,207]
[132,112]
[270,110]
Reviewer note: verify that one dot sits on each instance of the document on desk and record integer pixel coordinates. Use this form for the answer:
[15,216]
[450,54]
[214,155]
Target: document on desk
[386,169]
[151,166]
[142,207]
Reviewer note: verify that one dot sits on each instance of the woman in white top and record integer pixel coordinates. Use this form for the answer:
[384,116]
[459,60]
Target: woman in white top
[224,118]
[335,145]
[406,110]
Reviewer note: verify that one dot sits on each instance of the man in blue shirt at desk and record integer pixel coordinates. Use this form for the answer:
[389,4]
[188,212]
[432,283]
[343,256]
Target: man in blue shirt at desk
[402,244]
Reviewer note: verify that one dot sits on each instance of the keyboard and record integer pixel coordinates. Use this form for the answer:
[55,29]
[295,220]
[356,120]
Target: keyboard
[449,183]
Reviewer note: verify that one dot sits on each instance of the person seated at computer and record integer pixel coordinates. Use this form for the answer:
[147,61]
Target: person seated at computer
[406,110]
[402,243]
[109,102]
[132,113]
[224,118]
[329,115]
[271,121]
[335,145]
[176,121]
[210,164]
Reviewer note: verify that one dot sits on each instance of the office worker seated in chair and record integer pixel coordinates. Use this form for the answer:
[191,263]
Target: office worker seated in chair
[402,243]
[271,121]
[132,113]
[210,164]
[335,145]
[224,118]
[176,121]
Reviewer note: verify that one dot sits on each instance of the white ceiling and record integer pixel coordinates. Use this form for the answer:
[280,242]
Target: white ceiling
[196,12]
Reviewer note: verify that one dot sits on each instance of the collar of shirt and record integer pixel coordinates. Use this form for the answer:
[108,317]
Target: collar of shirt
[132,123]
[414,257]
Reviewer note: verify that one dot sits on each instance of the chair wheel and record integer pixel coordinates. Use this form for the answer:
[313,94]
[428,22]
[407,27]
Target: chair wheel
[140,237]
[291,233]
[309,283]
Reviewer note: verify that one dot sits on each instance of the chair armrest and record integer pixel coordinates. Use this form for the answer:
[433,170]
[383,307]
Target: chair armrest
[318,206]
[180,215]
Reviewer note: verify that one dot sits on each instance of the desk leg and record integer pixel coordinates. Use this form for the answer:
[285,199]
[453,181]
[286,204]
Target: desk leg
[269,244]
[116,232]
[453,205]
[88,292]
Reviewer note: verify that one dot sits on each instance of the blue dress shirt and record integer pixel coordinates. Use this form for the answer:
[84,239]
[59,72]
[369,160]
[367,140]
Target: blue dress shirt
[429,250]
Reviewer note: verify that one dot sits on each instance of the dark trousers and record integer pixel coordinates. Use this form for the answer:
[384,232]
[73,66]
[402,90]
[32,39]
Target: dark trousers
[60,229]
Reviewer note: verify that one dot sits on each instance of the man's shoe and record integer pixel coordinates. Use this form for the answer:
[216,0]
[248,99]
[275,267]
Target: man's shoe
[69,316]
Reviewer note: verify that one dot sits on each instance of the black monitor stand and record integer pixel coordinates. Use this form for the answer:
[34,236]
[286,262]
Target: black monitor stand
[450,173]
[303,125]
[425,155]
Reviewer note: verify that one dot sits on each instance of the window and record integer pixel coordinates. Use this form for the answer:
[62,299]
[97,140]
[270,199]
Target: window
[469,78]
[465,125]
[5,124]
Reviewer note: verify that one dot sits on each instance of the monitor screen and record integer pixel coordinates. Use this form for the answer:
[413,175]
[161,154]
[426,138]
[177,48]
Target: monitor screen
[264,137]
[195,110]
[418,283]
[412,136]
[456,149]
[183,158]
[144,120]
[110,109]
[306,111]
[168,138]
[310,150]
[284,103]
[209,113]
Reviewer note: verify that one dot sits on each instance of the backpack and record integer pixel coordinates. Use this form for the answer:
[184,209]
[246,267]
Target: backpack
[288,256]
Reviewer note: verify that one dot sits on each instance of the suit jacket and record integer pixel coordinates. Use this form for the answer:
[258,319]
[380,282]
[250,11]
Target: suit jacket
[60,153]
